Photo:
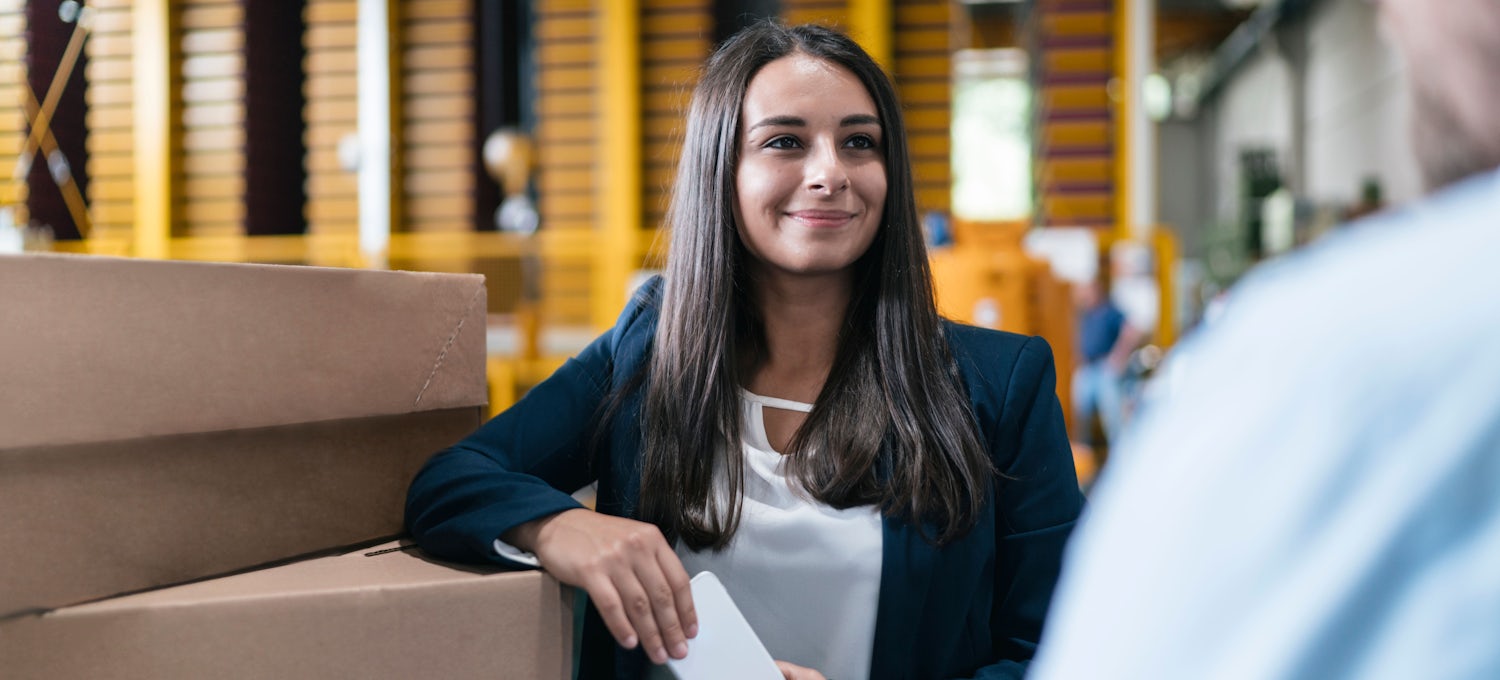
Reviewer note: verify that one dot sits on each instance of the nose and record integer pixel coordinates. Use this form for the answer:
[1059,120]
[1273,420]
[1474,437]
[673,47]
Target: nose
[825,171]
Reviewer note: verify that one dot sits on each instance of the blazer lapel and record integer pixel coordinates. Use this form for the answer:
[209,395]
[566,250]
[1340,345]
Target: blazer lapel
[905,577]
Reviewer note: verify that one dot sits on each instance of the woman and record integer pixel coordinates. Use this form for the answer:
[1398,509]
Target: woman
[884,493]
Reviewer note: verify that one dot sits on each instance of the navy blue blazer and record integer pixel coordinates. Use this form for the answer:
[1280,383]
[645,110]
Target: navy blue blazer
[972,608]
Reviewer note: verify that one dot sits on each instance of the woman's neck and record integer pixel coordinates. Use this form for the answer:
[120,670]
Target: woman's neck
[802,317]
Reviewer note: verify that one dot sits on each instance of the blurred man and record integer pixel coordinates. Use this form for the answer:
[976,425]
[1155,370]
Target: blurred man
[1318,494]
[1098,380]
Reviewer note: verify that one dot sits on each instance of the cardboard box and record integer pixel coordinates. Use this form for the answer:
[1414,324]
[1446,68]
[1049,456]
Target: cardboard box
[168,421]
[376,613]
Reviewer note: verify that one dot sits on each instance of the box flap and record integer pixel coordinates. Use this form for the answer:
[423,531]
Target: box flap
[87,521]
[103,348]
[368,614]
[391,565]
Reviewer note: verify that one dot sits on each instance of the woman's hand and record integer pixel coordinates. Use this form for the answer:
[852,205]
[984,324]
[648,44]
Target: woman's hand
[630,573]
[795,672]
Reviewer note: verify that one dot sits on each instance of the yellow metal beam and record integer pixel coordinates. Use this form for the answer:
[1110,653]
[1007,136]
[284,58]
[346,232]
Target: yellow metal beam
[156,81]
[1165,242]
[342,249]
[870,24]
[1124,101]
[619,178]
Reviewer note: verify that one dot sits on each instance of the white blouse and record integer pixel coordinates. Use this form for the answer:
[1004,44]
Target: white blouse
[805,575]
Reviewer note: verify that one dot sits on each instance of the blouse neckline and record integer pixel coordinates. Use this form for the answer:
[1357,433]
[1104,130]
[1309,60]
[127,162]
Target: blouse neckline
[774,402]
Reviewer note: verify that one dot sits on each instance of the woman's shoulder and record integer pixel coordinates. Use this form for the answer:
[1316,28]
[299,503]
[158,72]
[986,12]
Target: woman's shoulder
[991,345]
[991,360]
[634,330]
[644,305]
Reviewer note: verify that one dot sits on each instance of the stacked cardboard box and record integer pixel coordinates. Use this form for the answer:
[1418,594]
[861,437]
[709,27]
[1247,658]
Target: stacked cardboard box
[383,612]
[167,422]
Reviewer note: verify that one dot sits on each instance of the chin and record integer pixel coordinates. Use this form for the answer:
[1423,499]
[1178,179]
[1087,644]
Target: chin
[817,268]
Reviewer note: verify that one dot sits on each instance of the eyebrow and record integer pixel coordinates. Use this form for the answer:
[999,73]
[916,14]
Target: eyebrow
[793,121]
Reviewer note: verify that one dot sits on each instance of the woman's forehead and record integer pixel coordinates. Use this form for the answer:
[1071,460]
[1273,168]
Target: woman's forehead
[803,85]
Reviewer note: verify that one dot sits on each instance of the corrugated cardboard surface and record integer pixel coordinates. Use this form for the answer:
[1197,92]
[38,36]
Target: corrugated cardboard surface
[370,614]
[88,520]
[164,421]
[99,349]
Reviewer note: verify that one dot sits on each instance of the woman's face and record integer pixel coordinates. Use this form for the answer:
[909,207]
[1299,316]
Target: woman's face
[810,186]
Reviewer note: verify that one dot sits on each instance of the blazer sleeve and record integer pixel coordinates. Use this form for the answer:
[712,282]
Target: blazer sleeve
[1037,503]
[522,464]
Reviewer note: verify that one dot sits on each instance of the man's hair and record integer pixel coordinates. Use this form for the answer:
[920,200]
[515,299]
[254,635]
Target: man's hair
[892,425]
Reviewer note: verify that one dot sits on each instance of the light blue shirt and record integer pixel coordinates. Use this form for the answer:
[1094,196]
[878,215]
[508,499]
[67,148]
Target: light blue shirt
[1316,492]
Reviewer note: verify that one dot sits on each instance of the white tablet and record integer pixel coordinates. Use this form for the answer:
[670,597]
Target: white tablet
[726,647]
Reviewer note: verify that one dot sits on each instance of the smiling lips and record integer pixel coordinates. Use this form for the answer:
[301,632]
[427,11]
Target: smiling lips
[822,219]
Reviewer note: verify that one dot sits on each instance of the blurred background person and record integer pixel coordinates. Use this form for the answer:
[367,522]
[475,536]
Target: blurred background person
[1317,493]
[1105,341]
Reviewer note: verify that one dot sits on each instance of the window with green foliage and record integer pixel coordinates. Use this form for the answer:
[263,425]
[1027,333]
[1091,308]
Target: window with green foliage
[991,135]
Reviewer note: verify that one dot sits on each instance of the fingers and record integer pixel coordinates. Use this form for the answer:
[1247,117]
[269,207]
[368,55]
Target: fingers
[644,608]
[794,672]
[631,574]
[682,591]
[651,599]
[607,600]
[627,609]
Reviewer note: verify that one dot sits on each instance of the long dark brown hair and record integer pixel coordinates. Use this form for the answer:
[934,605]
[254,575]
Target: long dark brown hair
[892,425]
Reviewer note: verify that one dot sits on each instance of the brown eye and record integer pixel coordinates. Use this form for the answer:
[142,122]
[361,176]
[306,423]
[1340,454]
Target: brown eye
[784,142]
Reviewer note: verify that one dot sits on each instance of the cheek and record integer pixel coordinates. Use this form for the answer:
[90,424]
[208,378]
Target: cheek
[756,186]
[874,184]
